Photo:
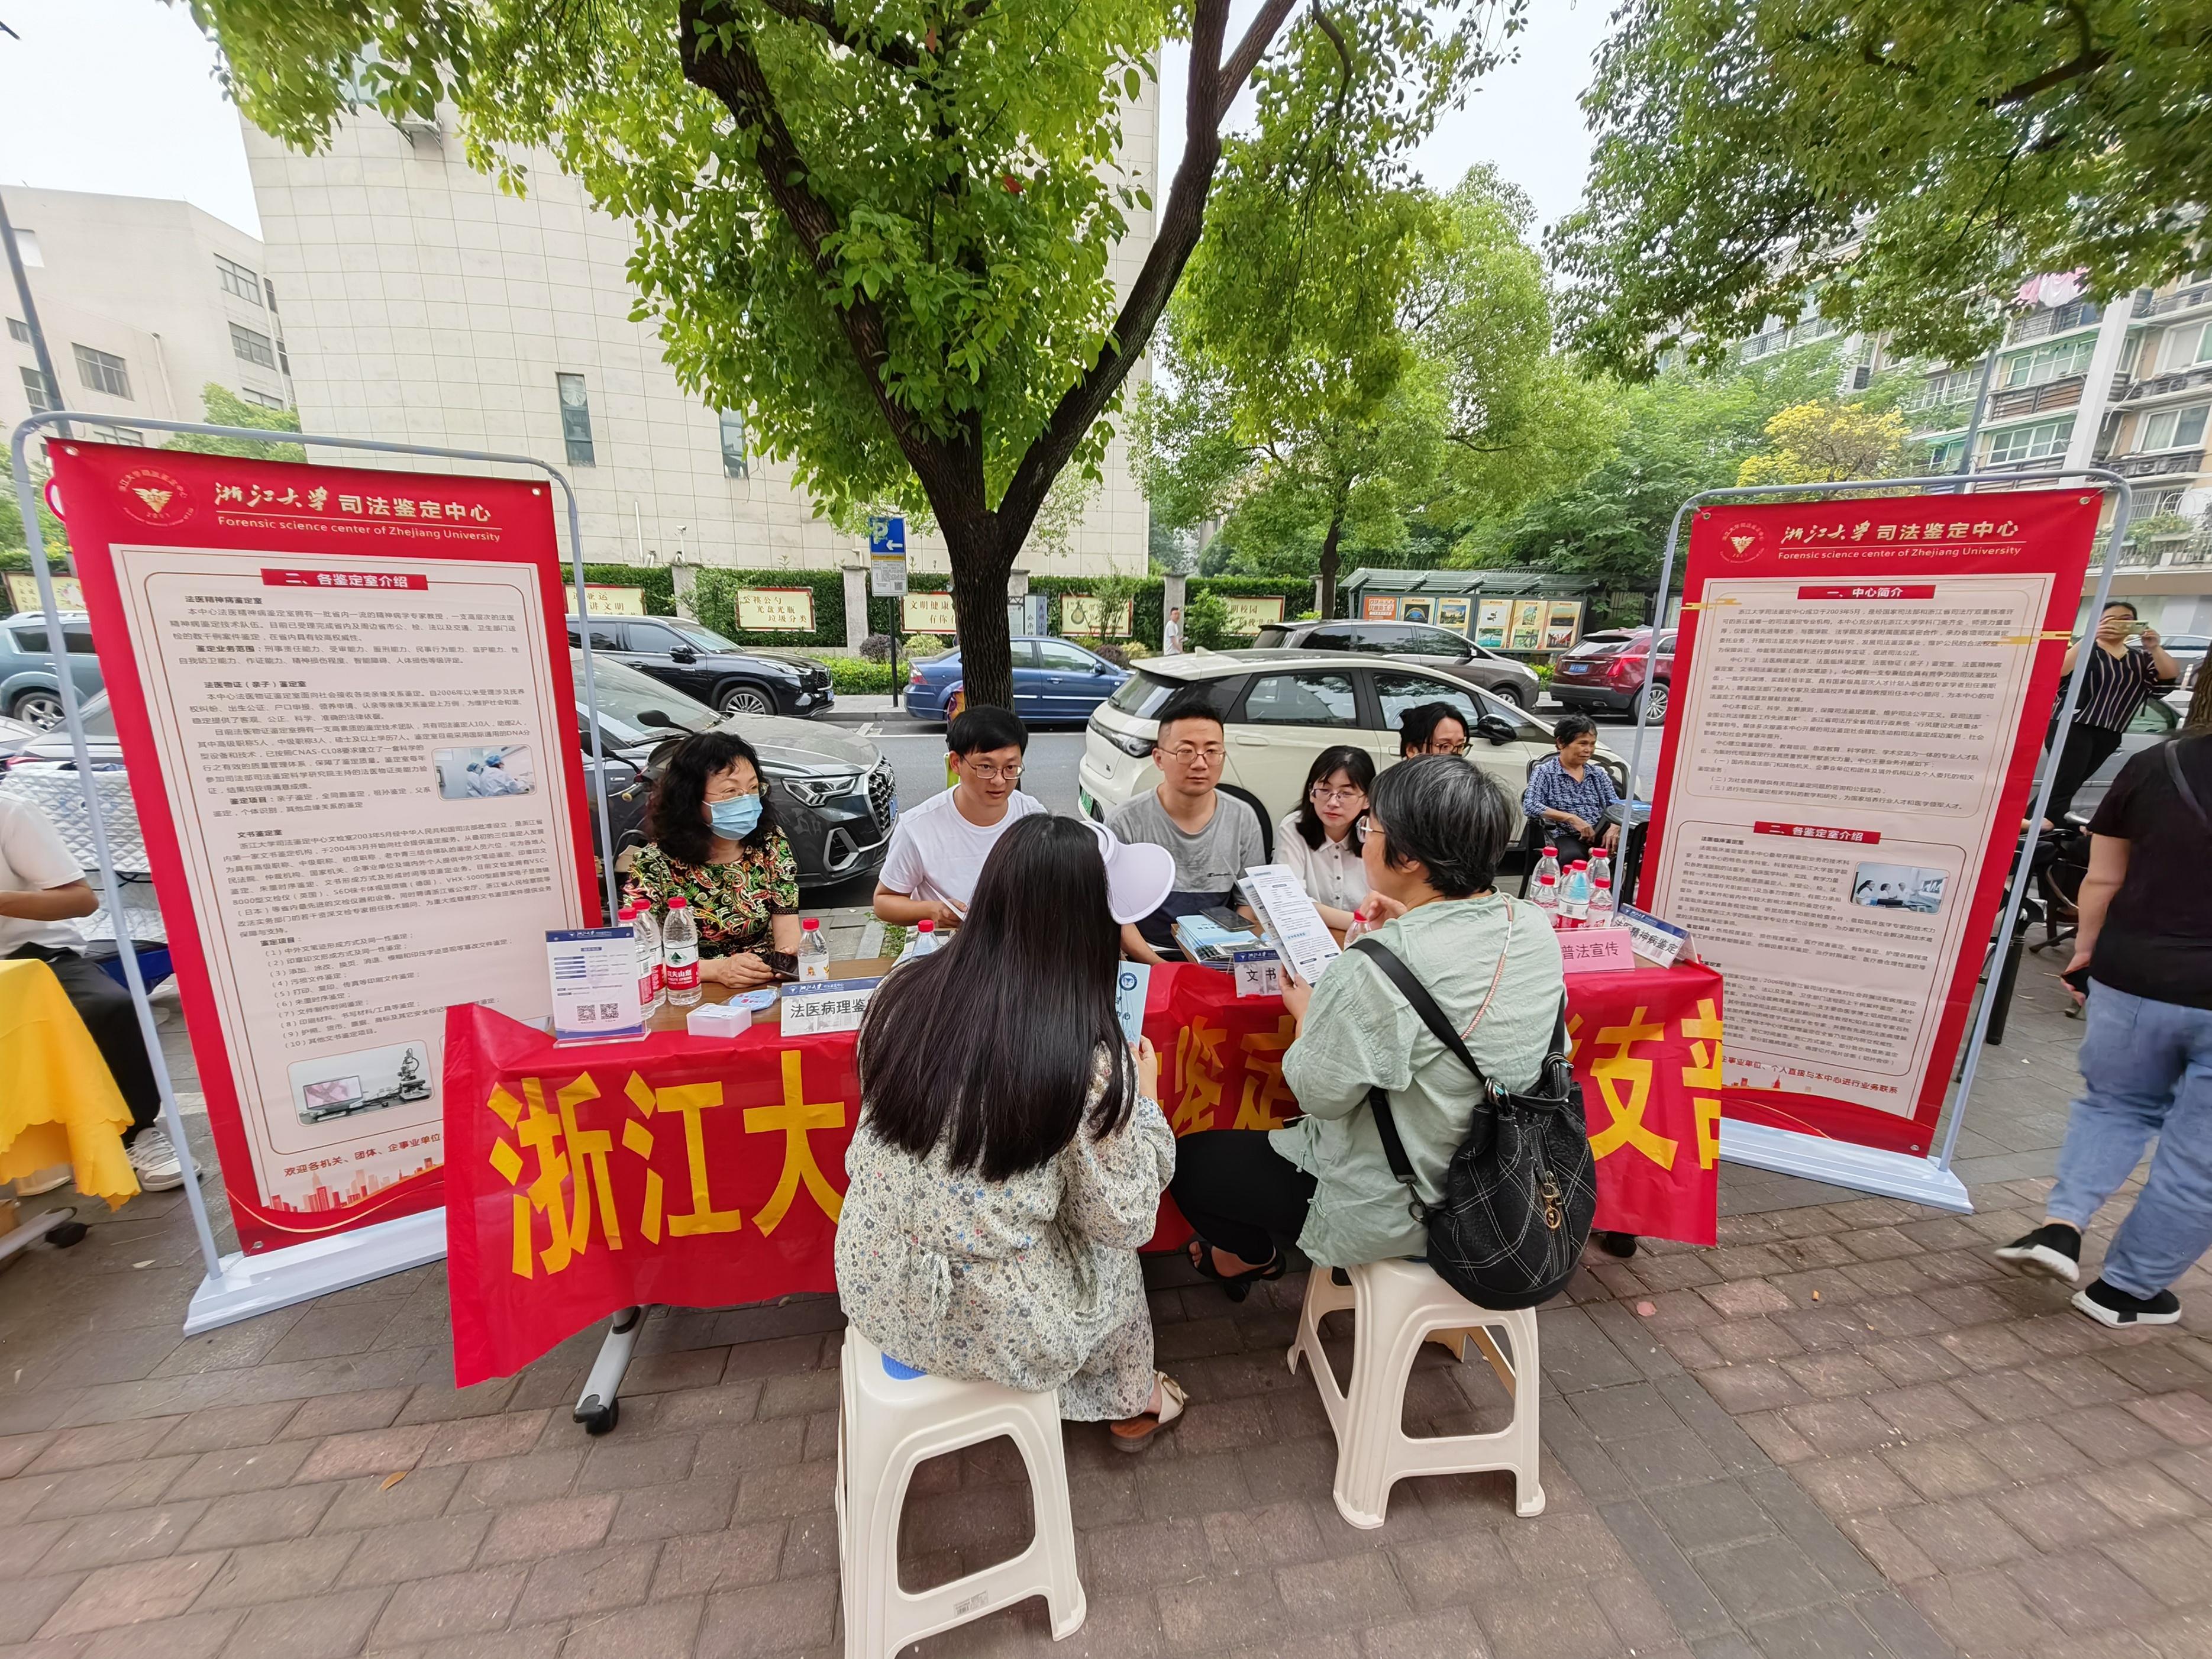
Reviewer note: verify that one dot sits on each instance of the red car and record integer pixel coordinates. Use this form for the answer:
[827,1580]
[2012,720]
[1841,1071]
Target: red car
[1604,674]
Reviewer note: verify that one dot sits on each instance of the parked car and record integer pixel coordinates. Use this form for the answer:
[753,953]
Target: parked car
[1604,673]
[697,662]
[1439,647]
[30,686]
[2157,721]
[1055,679]
[836,791]
[1281,708]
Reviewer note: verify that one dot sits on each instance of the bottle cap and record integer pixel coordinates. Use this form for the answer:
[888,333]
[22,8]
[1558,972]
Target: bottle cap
[926,926]
[676,901]
[1582,864]
[1550,850]
[811,924]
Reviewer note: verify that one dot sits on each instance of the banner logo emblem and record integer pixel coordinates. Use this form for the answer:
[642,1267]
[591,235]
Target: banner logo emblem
[152,496]
[1741,543]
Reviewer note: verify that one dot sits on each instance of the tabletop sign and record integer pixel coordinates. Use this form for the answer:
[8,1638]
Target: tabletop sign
[1131,986]
[826,1006]
[1596,949]
[594,983]
[1293,925]
[1662,942]
[1259,972]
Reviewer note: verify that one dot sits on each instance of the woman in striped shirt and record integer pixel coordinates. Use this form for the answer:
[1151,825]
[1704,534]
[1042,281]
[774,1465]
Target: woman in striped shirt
[2117,680]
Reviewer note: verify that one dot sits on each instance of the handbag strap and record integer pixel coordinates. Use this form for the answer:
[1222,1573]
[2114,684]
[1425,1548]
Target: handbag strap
[2181,782]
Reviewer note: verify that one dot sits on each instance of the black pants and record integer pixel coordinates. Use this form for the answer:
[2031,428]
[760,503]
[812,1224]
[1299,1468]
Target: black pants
[1240,1193]
[105,1008]
[2087,748]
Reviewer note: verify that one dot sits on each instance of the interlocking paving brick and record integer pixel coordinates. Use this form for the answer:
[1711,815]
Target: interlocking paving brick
[131,1593]
[459,1604]
[276,1572]
[103,1540]
[790,1616]
[588,1582]
[329,1625]
[417,1549]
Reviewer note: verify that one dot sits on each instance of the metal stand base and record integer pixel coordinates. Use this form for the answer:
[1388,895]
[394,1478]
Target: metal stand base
[277,1278]
[61,1225]
[1840,1163]
[599,1409]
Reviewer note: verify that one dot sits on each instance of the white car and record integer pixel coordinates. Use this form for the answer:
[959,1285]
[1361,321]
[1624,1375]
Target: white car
[1281,708]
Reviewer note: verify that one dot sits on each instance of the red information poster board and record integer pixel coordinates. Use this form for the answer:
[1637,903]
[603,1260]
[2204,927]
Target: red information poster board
[344,699]
[1859,697]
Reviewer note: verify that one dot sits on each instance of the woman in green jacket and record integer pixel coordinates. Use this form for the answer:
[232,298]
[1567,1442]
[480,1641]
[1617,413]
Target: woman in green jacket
[1435,832]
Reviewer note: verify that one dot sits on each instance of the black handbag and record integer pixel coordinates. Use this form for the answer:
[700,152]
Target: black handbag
[1521,1192]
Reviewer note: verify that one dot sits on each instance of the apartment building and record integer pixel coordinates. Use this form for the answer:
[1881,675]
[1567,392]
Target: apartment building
[424,304]
[143,303]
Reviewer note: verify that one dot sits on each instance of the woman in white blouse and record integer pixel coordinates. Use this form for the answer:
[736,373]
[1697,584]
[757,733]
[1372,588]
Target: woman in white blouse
[1321,840]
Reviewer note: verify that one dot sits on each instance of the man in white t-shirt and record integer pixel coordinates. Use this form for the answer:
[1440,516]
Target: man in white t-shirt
[42,893]
[938,850]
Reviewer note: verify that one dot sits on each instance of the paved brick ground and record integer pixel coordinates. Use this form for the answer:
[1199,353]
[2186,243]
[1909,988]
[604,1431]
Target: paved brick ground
[1844,1432]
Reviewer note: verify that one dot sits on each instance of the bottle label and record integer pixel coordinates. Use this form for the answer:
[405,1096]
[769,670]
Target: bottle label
[682,974]
[814,967]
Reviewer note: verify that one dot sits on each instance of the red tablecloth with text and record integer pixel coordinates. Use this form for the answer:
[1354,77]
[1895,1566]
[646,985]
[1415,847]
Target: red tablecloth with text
[582,1178]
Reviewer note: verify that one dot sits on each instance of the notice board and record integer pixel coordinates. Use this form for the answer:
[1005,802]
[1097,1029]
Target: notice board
[344,699]
[1860,692]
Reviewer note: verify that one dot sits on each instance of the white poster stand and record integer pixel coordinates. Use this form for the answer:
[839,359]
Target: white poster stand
[239,1285]
[1930,1180]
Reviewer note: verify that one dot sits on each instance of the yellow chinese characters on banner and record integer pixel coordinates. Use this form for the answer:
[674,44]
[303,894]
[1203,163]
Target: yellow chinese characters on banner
[1624,1085]
[1080,613]
[1250,612]
[928,613]
[775,609]
[1702,1031]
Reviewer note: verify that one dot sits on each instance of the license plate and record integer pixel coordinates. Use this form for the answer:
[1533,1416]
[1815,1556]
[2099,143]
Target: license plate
[1083,799]
[1578,668]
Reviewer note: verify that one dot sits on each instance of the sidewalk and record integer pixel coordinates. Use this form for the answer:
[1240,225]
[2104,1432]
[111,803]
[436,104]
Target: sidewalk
[1844,1432]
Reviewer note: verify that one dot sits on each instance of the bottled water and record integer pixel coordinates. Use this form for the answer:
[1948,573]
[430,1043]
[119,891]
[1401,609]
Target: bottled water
[1600,903]
[1601,865]
[1548,865]
[679,954]
[813,950]
[1547,896]
[1574,894]
[924,939]
[645,933]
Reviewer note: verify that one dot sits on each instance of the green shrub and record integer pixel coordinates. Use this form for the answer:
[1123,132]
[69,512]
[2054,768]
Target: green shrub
[921,646]
[1206,623]
[852,677]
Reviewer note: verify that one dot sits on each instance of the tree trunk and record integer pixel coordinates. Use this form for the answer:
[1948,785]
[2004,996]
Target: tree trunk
[1328,563]
[980,569]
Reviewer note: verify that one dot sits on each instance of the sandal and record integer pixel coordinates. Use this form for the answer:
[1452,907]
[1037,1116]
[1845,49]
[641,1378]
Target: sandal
[1237,1286]
[1153,1425]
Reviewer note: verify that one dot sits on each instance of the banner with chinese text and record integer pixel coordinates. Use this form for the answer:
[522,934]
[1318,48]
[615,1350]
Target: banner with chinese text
[1860,691]
[586,1178]
[345,702]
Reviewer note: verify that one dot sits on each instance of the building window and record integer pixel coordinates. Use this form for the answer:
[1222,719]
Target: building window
[234,278]
[2173,428]
[269,288]
[1944,456]
[734,460]
[2186,348]
[2165,502]
[40,391]
[2050,363]
[19,330]
[262,397]
[253,348]
[2028,443]
[101,433]
[102,371]
[28,248]
[575,419]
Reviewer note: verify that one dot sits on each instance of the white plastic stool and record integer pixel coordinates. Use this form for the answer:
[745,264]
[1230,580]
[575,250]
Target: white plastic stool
[1396,1307]
[894,1419]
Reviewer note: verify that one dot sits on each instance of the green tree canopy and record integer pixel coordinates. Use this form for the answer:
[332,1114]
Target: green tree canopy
[1905,161]
[226,408]
[884,227]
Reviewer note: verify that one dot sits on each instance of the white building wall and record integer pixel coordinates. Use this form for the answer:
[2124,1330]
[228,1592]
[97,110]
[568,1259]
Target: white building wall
[432,308]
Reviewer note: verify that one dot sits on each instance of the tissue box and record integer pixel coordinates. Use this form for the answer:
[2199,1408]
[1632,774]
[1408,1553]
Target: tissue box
[719,1019]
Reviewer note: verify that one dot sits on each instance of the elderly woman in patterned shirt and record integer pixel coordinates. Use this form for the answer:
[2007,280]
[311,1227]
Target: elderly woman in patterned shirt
[1569,793]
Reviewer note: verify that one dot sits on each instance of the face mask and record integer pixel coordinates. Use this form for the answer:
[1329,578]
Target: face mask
[738,818]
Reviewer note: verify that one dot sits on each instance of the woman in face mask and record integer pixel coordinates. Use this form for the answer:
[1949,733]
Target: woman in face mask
[716,844]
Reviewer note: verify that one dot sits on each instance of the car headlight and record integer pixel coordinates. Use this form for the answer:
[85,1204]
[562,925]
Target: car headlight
[813,792]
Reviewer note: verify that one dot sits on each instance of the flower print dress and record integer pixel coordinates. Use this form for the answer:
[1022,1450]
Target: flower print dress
[1031,1282]
[734,904]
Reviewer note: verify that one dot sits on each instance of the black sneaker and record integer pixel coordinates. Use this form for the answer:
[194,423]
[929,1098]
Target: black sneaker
[1622,1245]
[2054,1248]
[2109,1305]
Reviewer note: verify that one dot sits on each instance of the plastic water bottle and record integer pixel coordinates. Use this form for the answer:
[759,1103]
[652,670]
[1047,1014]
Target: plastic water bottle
[1548,865]
[679,954]
[1574,894]
[813,950]
[1547,896]
[1600,864]
[925,937]
[647,931]
[1600,903]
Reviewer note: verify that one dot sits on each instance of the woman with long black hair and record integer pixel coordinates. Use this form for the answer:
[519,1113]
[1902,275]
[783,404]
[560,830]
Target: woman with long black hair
[1320,843]
[1010,1151]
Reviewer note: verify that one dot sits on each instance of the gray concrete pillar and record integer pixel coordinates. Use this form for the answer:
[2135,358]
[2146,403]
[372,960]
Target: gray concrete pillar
[686,577]
[856,605]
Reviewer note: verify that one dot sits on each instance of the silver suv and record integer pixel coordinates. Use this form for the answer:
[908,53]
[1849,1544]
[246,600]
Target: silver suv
[1435,647]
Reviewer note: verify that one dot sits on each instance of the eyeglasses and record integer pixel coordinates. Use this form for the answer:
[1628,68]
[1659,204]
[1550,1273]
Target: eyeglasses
[1335,797]
[1194,754]
[1446,746]
[985,772]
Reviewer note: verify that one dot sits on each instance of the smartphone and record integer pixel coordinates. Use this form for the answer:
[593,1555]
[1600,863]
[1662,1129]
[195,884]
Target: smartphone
[2133,630]
[2078,978]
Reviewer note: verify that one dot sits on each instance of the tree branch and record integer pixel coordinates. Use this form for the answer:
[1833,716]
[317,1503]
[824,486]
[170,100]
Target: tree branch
[2088,59]
[897,53]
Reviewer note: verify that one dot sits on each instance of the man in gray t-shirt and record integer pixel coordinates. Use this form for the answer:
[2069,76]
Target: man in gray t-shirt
[1212,837]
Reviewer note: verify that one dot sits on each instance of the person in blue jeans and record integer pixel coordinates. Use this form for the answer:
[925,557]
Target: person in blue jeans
[2146,944]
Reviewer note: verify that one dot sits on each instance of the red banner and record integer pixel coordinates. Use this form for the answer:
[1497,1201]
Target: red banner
[1859,694]
[344,699]
[585,1178]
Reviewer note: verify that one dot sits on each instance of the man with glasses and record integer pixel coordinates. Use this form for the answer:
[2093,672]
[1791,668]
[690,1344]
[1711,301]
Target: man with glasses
[1431,728]
[938,850]
[1212,837]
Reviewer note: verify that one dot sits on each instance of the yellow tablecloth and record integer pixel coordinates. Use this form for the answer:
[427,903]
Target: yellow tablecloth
[58,1103]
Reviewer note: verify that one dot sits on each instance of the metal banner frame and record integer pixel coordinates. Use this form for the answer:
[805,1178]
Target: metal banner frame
[239,1285]
[1930,1180]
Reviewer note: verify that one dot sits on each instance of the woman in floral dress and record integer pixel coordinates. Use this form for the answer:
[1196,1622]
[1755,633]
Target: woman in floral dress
[1010,1151]
[716,843]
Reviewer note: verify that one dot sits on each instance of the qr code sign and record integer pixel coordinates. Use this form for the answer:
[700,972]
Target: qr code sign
[611,1011]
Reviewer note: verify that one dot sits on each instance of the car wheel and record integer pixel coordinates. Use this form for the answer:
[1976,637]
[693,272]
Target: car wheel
[1655,704]
[42,709]
[1514,692]
[745,699]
